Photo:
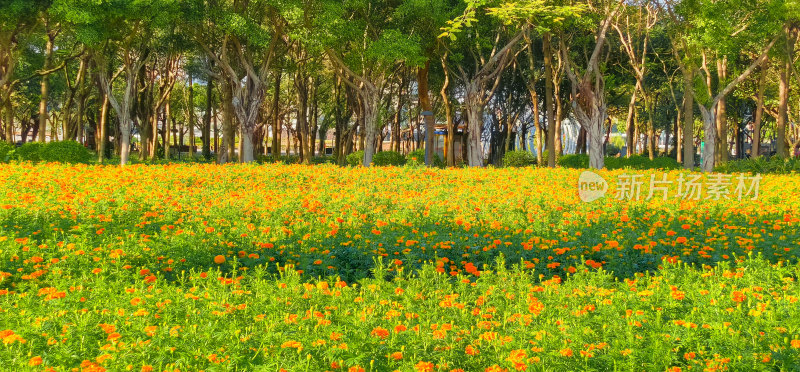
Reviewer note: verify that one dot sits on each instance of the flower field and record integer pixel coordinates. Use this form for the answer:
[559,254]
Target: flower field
[275,267]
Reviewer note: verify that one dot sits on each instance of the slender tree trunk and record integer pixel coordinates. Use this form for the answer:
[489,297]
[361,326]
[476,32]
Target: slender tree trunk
[425,103]
[314,119]
[722,116]
[688,117]
[225,152]
[301,89]
[167,128]
[783,92]
[537,125]
[154,132]
[755,150]
[549,101]
[207,117]
[9,122]
[45,87]
[276,122]
[102,130]
[630,122]
[676,128]
[216,130]
[448,111]
[559,137]
[651,133]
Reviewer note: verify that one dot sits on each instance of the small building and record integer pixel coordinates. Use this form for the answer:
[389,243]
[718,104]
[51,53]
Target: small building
[440,141]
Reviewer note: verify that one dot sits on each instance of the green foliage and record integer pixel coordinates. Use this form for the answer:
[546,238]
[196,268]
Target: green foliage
[28,152]
[575,161]
[65,152]
[518,159]
[761,165]
[355,159]
[323,160]
[612,150]
[5,150]
[664,162]
[388,158]
[285,159]
[581,161]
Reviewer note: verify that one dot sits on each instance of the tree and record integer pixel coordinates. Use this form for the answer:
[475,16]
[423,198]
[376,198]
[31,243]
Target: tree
[123,31]
[364,48]
[242,38]
[588,89]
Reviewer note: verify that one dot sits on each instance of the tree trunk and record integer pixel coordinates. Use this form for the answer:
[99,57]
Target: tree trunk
[9,121]
[783,92]
[167,128]
[676,128]
[559,137]
[651,134]
[722,116]
[630,122]
[225,153]
[191,117]
[207,117]
[371,100]
[276,123]
[301,89]
[425,103]
[710,131]
[548,100]
[594,139]
[688,117]
[474,108]
[154,132]
[755,150]
[45,87]
[102,130]
[537,125]
[451,128]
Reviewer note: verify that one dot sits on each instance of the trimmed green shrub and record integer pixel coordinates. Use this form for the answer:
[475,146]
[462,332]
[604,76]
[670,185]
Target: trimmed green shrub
[581,161]
[285,159]
[323,160]
[65,152]
[576,161]
[355,159]
[5,149]
[28,152]
[666,163]
[388,158]
[518,159]
[761,165]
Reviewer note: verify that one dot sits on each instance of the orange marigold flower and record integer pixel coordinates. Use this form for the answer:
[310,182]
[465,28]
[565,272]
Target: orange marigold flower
[423,366]
[219,259]
[35,361]
[380,332]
